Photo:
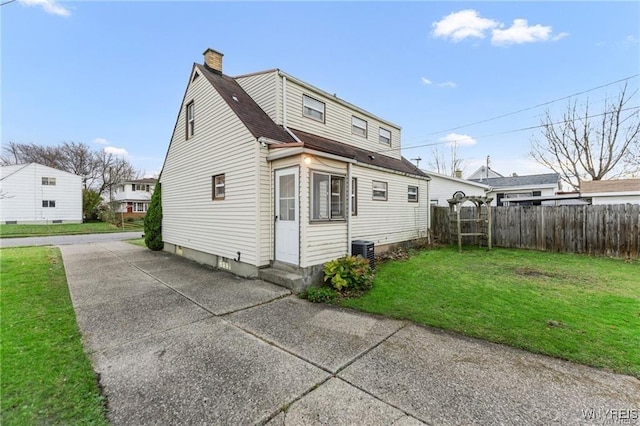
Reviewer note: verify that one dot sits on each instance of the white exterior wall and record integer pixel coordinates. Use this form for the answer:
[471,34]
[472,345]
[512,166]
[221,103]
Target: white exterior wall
[23,194]
[443,188]
[129,194]
[266,90]
[263,89]
[221,144]
[394,220]
[614,198]
[544,191]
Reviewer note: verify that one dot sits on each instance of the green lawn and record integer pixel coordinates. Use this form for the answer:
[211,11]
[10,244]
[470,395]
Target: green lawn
[46,376]
[574,307]
[13,231]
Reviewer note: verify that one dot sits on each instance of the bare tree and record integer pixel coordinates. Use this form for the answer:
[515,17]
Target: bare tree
[591,146]
[100,170]
[446,164]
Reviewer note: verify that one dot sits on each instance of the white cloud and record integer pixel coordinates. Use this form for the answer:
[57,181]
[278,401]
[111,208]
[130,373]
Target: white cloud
[631,39]
[425,80]
[468,23]
[116,151]
[448,84]
[49,6]
[101,141]
[520,32]
[464,24]
[458,139]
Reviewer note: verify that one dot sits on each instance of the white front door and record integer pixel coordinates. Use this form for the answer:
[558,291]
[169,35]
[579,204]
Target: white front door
[287,216]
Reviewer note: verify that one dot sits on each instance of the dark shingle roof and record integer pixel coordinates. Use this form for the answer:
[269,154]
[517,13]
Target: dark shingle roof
[329,146]
[528,180]
[247,110]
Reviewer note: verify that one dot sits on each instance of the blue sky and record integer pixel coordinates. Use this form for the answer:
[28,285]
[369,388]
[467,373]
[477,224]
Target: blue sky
[112,74]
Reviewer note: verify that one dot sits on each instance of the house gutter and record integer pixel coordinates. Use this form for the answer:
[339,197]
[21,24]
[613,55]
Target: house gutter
[349,195]
[284,108]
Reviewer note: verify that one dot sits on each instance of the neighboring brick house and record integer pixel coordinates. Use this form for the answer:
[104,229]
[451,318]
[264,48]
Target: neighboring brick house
[266,173]
[134,196]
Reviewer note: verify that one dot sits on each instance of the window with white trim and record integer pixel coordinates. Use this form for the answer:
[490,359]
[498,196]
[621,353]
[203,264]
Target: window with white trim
[312,108]
[218,187]
[379,190]
[384,136]
[51,181]
[191,119]
[358,126]
[48,203]
[139,187]
[412,194]
[140,207]
[327,197]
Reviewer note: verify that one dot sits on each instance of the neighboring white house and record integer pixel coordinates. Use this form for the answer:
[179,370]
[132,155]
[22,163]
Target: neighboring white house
[134,196]
[442,187]
[504,188]
[36,194]
[482,173]
[267,170]
[615,191]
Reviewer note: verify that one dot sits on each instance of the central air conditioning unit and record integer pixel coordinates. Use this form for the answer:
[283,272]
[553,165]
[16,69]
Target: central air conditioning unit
[364,249]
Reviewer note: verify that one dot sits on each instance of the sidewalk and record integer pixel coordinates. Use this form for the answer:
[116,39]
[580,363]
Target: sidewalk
[178,343]
[58,240]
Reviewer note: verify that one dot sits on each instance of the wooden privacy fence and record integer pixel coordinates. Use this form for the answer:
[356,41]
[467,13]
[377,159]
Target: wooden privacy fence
[603,230]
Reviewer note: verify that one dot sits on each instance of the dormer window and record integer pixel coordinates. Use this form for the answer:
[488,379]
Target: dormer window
[385,136]
[312,108]
[358,126]
[191,119]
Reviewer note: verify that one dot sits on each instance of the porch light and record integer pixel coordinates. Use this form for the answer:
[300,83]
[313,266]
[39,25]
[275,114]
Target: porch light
[307,159]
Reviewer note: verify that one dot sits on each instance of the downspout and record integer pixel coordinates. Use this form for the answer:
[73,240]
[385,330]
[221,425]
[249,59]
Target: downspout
[348,211]
[284,108]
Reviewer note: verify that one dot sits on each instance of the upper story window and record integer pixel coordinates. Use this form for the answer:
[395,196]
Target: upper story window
[379,190]
[412,194]
[139,187]
[312,108]
[358,126]
[49,181]
[218,187]
[385,136]
[191,119]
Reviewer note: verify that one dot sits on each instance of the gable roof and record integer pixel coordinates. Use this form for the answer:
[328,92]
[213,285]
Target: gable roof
[455,179]
[330,146]
[6,171]
[528,180]
[252,116]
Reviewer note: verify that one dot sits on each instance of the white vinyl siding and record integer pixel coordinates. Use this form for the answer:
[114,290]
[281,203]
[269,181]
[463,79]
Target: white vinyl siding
[222,142]
[262,89]
[24,195]
[395,220]
[337,124]
[443,187]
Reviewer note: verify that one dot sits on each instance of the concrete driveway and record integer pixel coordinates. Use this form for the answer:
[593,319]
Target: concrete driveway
[178,343]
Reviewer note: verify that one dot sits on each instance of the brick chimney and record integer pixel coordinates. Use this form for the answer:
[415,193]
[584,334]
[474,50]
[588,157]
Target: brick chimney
[213,60]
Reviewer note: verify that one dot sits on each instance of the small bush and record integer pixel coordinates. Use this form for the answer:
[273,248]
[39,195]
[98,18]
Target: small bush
[320,295]
[153,222]
[349,274]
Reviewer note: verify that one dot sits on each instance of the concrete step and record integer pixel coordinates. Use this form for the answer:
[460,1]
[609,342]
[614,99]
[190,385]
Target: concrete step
[291,280]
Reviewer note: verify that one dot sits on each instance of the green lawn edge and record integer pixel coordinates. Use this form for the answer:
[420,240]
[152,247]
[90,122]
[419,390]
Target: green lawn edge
[46,376]
[574,307]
